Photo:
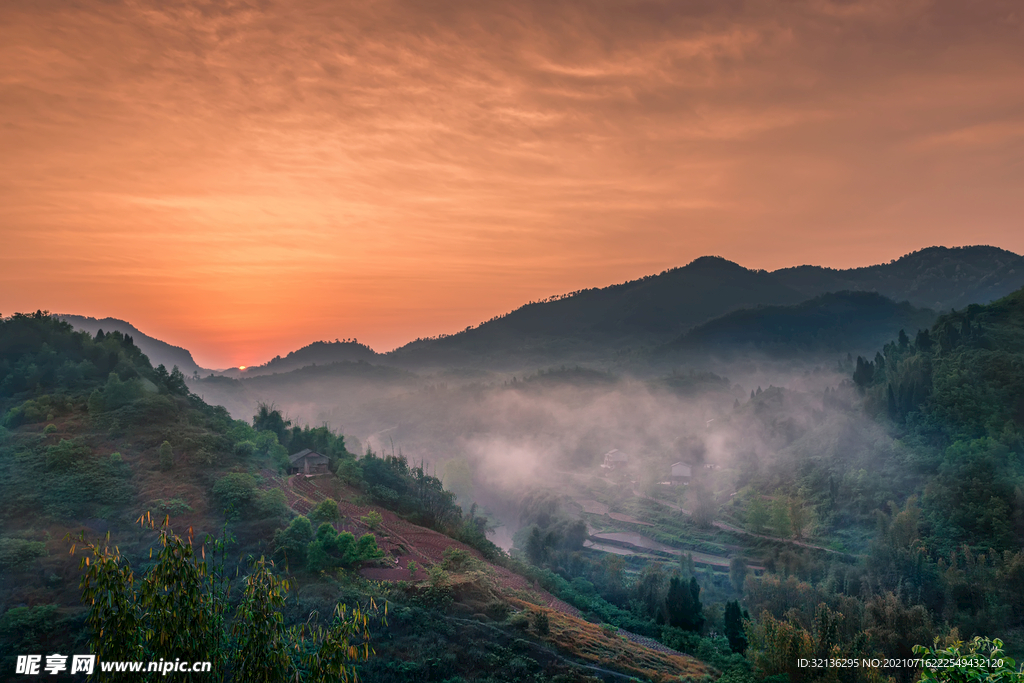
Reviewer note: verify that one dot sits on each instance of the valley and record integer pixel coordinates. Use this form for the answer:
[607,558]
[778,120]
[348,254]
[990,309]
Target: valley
[665,512]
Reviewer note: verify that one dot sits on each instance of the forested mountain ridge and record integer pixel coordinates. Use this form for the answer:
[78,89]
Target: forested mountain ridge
[159,352]
[834,322]
[956,392]
[939,278]
[650,311]
[658,308]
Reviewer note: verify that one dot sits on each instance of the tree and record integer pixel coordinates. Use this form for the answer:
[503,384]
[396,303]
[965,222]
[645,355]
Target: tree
[291,543]
[758,515]
[780,520]
[648,590]
[799,516]
[166,456]
[864,374]
[686,565]
[737,573]
[704,507]
[325,511]
[176,610]
[682,604]
[734,630]
[258,628]
[372,519]
[269,418]
[981,659]
[535,550]
[332,549]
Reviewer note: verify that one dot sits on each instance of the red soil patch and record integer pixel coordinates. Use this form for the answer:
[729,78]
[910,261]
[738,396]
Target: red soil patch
[405,541]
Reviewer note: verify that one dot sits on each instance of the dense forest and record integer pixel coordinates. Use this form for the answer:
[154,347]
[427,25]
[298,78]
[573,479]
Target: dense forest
[879,518]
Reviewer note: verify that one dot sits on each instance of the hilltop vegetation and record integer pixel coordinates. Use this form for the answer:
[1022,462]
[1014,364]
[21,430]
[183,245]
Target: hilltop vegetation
[158,352]
[830,323]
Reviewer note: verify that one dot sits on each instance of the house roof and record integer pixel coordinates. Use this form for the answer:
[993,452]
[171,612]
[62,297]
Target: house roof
[295,457]
[684,464]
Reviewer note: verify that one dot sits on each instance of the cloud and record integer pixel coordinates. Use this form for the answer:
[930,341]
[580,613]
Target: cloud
[510,150]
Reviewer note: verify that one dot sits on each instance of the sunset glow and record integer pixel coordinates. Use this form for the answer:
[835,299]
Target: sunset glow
[242,179]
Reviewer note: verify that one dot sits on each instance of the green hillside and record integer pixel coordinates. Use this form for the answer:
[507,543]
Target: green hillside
[94,438]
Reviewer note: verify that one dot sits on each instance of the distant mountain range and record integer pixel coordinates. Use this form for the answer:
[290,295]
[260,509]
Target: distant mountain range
[658,309]
[159,352]
[710,301]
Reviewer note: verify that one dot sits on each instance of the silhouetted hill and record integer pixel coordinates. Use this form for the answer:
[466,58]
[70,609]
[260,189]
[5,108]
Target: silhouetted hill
[655,309]
[841,321]
[649,310]
[658,309]
[158,352]
[317,353]
[937,277]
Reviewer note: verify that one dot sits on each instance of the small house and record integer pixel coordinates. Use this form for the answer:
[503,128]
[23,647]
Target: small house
[681,472]
[307,462]
[615,459]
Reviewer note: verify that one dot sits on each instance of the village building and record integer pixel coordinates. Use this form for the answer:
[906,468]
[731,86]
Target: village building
[307,462]
[615,459]
[681,473]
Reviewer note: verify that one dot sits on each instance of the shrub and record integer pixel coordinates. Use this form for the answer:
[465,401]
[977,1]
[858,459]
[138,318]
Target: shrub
[332,549]
[540,622]
[456,559]
[497,610]
[235,490]
[519,621]
[50,429]
[66,455]
[272,503]
[166,456]
[28,412]
[29,629]
[372,519]
[17,552]
[172,507]
[325,511]
[244,449]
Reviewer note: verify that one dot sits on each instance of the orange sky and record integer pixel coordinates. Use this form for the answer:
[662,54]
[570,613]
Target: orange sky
[244,178]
